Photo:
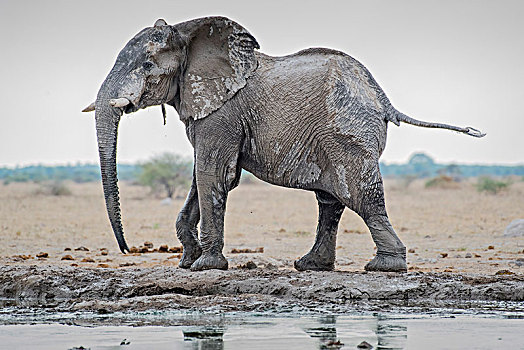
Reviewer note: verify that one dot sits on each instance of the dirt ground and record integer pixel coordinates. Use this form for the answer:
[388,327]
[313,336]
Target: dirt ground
[455,230]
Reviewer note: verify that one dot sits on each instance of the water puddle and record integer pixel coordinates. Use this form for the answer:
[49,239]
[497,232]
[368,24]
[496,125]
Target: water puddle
[38,329]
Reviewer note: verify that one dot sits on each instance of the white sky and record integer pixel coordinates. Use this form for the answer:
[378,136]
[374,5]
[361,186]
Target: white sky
[458,62]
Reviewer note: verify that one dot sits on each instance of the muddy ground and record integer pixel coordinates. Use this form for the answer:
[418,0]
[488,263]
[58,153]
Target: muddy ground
[58,252]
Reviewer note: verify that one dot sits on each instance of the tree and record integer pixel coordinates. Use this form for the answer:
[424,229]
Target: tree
[169,172]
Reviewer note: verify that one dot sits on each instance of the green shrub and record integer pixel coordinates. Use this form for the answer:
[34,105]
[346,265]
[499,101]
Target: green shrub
[488,184]
[167,172]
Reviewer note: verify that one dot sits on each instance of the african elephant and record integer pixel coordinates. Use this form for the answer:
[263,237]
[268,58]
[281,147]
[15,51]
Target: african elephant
[314,120]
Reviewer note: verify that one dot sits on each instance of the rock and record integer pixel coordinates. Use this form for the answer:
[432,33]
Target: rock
[125,341]
[365,345]
[104,266]
[42,255]
[515,229]
[133,250]
[444,255]
[491,247]
[166,201]
[67,257]
[176,249]
[249,265]
[247,250]
[88,260]
[103,252]
[67,249]
[82,249]
[411,250]
[477,255]
[163,248]
[504,273]
[148,245]
[468,255]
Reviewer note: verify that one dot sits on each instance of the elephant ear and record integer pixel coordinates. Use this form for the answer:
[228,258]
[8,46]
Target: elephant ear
[220,57]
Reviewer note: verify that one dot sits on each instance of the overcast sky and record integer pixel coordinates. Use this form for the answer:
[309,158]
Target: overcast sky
[458,62]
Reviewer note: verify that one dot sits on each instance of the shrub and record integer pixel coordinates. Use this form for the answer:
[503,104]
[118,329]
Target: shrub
[488,184]
[168,172]
[55,188]
[441,181]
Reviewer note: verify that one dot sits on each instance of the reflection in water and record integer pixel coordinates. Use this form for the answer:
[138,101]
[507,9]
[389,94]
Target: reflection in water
[204,337]
[326,331]
[390,335]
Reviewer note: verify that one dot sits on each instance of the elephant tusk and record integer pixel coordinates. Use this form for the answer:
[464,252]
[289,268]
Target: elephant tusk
[119,102]
[89,108]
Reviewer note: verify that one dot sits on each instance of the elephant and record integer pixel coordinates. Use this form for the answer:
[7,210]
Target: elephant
[314,120]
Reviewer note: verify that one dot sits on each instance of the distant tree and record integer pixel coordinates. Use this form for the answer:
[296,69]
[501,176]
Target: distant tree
[168,172]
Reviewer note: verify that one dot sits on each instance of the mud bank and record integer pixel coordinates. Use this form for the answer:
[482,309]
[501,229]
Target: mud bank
[166,288]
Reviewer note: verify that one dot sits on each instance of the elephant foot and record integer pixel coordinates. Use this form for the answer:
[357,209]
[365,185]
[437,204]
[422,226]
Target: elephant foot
[313,262]
[208,262]
[388,262]
[189,256]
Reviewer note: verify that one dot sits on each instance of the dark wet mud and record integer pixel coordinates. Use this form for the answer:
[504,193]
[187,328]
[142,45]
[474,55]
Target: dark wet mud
[72,289]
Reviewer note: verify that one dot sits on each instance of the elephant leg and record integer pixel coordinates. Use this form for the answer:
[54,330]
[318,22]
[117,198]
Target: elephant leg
[391,252]
[186,228]
[213,189]
[321,257]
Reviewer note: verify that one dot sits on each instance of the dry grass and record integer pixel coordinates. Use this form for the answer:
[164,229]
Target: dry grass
[431,221]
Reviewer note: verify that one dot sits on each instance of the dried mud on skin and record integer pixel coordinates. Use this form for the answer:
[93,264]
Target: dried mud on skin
[168,288]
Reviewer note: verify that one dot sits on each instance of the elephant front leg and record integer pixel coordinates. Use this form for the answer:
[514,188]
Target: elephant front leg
[212,197]
[321,257]
[186,228]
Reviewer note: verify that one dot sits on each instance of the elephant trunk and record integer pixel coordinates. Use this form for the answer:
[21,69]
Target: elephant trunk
[107,120]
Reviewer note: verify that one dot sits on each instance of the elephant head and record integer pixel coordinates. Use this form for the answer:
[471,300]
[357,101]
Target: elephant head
[195,66]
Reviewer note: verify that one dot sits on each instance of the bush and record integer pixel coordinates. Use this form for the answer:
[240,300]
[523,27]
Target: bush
[55,188]
[168,172]
[441,181]
[487,184]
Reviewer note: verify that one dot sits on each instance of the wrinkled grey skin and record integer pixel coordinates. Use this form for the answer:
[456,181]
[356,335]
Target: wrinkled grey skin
[315,120]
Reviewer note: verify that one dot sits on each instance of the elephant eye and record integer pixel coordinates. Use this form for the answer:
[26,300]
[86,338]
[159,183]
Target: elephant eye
[147,65]
[157,36]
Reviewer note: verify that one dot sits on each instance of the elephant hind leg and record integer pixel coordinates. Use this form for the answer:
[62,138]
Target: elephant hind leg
[365,196]
[321,257]
[391,252]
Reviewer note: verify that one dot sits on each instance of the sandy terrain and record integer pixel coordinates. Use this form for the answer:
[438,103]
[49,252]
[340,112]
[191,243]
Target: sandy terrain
[459,222]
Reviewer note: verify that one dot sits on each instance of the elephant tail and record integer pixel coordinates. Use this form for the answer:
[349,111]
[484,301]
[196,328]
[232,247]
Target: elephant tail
[396,117]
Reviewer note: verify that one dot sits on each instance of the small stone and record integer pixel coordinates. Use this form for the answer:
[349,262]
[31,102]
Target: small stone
[284,230]
[125,341]
[504,273]
[133,250]
[67,249]
[411,250]
[142,249]
[365,345]
[148,244]
[444,255]
[491,247]
[163,248]
[427,236]
[127,264]
[104,252]
[249,265]
[176,249]
[88,260]
[42,255]
[74,264]
[67,257]
[270,266]
[105,266]
[82,249]
[176,256]
[458,256]
[477,255]
[468,255]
